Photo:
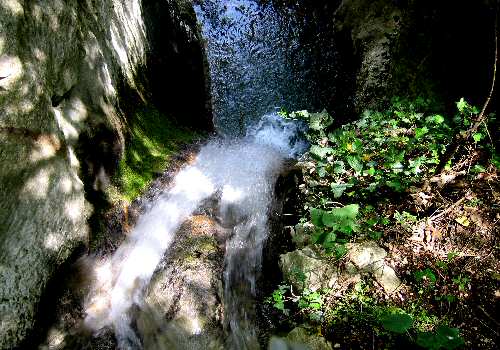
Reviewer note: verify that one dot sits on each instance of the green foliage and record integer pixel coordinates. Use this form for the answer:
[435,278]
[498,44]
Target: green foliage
[443,337]
[427,277]
[398,322]
[148,150]
[382,154]
[277,299]
[309,303]
[333,227]
[383,150]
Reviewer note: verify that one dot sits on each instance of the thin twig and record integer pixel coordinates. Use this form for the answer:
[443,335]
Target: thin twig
[447,210]
[482,115]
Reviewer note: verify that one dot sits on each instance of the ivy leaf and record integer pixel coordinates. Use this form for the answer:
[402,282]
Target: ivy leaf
[397,322]
[436,118]
[462,105]
[428,340]
[478,137]
[451,336]
[330,219]
[319,121]
[338,189]
[349,211]
[419,132]
[338,167]
[355,163]
[321,171]
[319,152]
[316,215]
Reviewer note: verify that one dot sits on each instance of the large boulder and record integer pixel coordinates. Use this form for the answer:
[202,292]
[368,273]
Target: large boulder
[66,69]
[183,307]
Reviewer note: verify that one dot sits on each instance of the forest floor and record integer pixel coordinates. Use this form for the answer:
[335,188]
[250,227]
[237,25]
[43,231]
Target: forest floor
[440,230]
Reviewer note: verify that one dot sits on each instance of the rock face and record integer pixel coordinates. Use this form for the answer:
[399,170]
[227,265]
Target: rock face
[371,25]
[186,292]
[415,48]
[369,257]
[68,72]
[306,269]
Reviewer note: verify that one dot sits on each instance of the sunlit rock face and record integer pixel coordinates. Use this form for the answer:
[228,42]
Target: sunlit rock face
[65,68]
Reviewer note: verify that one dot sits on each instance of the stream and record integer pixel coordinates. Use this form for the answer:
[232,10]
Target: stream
[254,74]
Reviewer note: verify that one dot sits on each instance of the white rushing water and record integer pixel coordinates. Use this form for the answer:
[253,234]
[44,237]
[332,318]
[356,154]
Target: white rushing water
[244,171]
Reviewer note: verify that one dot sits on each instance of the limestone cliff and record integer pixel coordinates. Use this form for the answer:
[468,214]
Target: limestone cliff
[70,71]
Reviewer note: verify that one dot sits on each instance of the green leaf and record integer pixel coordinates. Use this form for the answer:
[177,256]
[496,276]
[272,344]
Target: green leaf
[419,132]
[462,105]
[397,322]
[426,274]
[319,121]
[428,340]
[338,167]
[316,215]
[478,137]
[321,171]
[340,251]
[319,152]
[338,189]
[443,337]
[349,211]
[330,219]
[436,118]
[451,336]
[355,163]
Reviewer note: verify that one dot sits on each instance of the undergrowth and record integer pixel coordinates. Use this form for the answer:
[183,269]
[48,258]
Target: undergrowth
[358,182]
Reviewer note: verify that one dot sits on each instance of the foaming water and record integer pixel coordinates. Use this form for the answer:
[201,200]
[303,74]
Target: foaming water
[244,171]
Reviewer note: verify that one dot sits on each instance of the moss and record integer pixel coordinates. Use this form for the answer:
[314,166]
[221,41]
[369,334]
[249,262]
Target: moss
[152,141]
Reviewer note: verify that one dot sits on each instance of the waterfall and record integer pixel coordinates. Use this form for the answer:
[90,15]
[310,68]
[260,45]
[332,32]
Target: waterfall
[244,172]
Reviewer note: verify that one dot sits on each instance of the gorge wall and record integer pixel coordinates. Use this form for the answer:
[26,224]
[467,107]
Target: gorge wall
[444,50]
[71,74]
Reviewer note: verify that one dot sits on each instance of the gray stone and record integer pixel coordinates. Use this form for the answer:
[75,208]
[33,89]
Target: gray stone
[369,257]
[299,335]
[365,255]
[372,25]
[305,269]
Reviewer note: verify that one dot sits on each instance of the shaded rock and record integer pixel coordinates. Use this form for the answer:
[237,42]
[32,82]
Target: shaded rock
[386,277]
[373,27]
[305,269]
[68,73]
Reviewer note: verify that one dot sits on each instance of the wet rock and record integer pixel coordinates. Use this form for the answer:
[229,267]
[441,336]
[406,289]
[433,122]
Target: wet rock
[299,339]
[305,269]
[184,298]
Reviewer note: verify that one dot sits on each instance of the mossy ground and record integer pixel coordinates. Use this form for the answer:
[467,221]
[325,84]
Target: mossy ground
[153,140]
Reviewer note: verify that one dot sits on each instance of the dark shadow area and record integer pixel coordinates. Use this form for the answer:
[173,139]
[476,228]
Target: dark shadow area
[65,274]
[446,47]
[176,67]
[283,217]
